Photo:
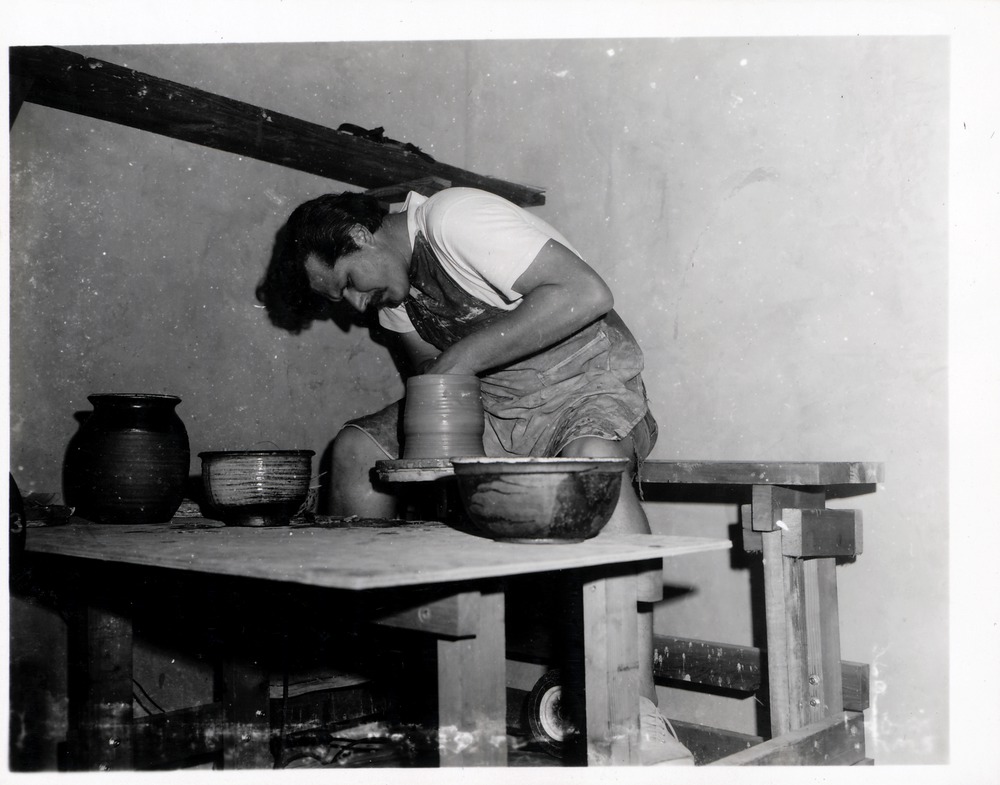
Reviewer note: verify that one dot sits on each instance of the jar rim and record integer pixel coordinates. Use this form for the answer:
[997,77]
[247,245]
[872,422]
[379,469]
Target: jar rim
[442,379]
[133,396]
[253,453]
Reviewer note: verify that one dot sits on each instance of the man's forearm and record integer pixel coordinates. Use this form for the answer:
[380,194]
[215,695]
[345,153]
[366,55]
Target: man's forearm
[546,315]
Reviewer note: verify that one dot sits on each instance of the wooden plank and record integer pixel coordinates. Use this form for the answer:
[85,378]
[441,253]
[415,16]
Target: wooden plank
[813,687]
[800,641]
[710,744]
[812,659]
[425,186]
[808,534]
[732,667]
[100,688]
[769,501]
[778,634]
[68,81]
[800,649]
[454,616]
[352,705]
[822,604]
[313,681]
[611,667]
[708,663]
[856,685]
[472,695]
[836,740]
[752,542]
[346,554]
[762,473]
[176,736]
[517,724]
[245,704]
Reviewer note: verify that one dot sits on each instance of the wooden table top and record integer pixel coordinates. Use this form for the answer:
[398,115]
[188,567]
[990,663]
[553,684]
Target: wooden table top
[343,553]
[812,473]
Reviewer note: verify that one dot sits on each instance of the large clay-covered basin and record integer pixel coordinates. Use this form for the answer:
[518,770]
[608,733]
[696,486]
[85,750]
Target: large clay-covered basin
[539,500]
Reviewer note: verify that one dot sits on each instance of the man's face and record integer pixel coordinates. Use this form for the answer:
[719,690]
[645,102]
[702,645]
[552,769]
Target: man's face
[363,278]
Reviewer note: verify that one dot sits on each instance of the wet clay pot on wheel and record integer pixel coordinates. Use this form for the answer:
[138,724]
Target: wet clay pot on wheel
[129,461]
[442,417]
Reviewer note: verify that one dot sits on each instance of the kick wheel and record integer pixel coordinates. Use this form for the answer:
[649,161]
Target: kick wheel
[548,722]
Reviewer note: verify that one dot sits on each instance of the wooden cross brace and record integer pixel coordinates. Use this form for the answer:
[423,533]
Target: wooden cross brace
[809,533]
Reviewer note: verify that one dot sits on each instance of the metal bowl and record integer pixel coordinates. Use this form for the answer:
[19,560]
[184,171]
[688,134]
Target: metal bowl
[256,487]
[539,500]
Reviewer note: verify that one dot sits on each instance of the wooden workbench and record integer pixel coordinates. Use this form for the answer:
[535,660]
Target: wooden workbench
[785,520]
[427,576]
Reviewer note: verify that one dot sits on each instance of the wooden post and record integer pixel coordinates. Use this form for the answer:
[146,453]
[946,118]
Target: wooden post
[100,688]
[611,666]
[823,613]
[803,639]
[777,634]
[472,695]
[812,662]
[245,702]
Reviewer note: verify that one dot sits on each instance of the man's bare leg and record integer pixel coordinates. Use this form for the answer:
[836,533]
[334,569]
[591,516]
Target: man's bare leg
[351,491]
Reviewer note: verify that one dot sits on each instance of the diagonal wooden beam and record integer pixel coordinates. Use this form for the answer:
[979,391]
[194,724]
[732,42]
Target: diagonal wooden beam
[835,740]
[65,80]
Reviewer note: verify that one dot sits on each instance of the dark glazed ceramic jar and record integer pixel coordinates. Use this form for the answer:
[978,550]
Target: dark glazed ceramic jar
[129,462]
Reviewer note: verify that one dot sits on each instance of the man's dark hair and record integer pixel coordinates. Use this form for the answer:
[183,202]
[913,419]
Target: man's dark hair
[322,227]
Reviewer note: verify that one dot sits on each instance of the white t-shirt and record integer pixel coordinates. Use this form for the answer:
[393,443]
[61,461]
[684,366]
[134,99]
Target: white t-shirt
[483,242]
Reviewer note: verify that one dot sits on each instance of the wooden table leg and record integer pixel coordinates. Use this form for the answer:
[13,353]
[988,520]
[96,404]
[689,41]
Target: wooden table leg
[803,621]
[472,694]
[100,688]
[611,666]
[245,704]
[778,640]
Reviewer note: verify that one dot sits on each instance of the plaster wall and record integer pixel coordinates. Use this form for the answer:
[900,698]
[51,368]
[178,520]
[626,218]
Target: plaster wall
[770,213]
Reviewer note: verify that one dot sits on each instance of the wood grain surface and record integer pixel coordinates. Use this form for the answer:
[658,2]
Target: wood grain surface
[345,553]
[762,472]
[414,469]
[65,80]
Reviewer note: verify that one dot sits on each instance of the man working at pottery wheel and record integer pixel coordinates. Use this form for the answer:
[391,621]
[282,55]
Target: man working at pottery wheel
[469,283]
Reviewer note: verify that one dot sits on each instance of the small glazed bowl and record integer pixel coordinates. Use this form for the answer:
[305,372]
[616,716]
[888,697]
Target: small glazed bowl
[539,500]
[256,487]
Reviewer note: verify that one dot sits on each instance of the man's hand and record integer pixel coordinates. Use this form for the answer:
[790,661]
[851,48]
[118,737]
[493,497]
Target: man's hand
[420,354]
[425,358]
[443,364]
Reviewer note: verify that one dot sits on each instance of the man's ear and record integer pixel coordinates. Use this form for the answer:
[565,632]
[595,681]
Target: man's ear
[360,235]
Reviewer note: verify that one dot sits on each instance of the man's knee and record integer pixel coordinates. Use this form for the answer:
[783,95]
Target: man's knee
[594,447]
[354,449]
